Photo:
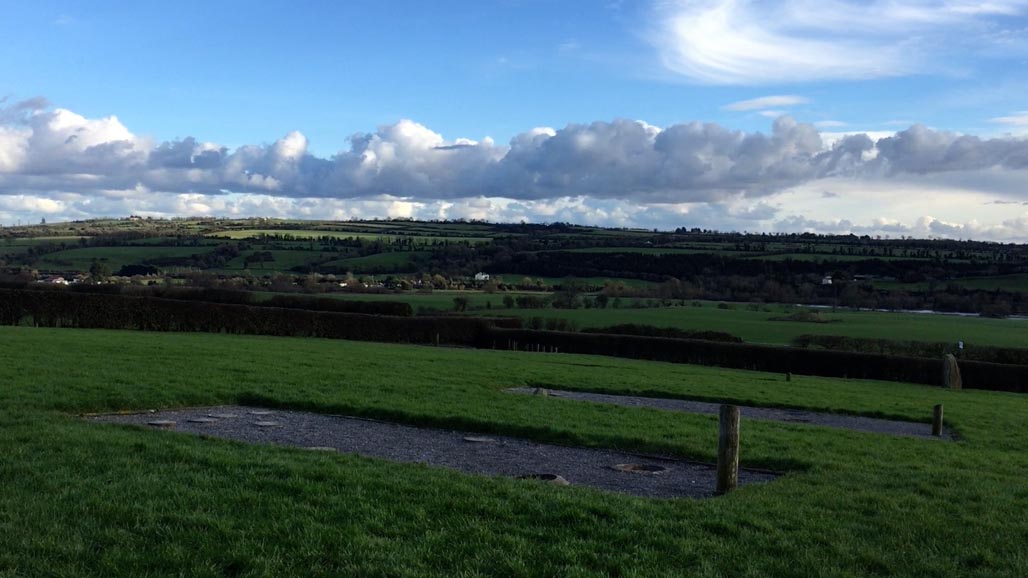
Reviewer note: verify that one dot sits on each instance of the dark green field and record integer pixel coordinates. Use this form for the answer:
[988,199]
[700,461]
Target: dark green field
[755,323]
[87,499]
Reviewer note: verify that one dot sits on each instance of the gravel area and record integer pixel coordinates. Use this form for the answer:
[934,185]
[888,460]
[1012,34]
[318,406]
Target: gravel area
[856,423]
[463,451]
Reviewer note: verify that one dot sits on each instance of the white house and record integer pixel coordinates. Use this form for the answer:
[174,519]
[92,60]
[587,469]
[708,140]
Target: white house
[481,276]
[826,280]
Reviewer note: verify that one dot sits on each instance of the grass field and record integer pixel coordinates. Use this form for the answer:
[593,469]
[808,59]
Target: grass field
[756,326]
[397,261]
[592,281]
[437,300]
[114,257]
[1002,282]
[88,499]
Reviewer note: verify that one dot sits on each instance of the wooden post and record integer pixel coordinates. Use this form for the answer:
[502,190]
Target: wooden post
[728,449]
[788,376]
[937,420]
[437,340]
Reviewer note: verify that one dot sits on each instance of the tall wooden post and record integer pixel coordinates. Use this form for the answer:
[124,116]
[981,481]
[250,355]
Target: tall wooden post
[728,449]
[937,420]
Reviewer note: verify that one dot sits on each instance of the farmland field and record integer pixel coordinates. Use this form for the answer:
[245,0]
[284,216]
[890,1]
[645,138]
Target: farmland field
[1003,282]
[396,261]
[441,300]
[114,257]
[82,498]
[756,326]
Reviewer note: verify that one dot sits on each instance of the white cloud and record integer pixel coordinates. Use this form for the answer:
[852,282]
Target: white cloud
[749,42]
[58,164]
[766,102]
[1019,119]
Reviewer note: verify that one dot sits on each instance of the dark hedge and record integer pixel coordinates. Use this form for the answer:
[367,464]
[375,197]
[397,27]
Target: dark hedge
[106,311]
[976,375]
[971,351]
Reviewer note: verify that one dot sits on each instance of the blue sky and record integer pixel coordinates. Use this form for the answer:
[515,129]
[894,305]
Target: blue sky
[238,81]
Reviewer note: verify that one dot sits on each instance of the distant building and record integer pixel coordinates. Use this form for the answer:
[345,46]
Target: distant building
[481,276]
[55,280]
[826,280]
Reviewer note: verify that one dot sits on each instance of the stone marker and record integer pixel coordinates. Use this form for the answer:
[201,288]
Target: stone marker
[222,415]
[540,391]
[161,423]
[951,373]
[479,440]
[261,412]
[202,420]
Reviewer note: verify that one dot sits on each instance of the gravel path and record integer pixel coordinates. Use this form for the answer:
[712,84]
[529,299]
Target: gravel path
[864,424]
[466,452]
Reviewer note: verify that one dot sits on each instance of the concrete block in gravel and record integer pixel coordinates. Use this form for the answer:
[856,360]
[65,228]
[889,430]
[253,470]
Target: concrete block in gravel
[161,423]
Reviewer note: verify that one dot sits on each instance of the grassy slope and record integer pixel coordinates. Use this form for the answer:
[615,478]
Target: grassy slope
[755,326]
[114,257]
[397,260]
[82,498]
[1017,282]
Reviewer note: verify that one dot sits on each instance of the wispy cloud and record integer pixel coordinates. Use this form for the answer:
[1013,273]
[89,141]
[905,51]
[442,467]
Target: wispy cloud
[748,42]
[1019,119]
[767,102]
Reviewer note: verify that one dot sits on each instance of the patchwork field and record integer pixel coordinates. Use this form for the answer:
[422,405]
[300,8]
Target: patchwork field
[83,498]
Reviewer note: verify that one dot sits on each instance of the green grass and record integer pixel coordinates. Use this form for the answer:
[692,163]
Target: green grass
[398,261]
[114,257]
[756,326]
[284,261]
[89,499]
[829,257]
[592,281]
[1017,283]
[438,300]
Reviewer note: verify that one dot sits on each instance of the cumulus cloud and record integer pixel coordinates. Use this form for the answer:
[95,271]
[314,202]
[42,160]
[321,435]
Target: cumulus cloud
[56,163]
[749,42]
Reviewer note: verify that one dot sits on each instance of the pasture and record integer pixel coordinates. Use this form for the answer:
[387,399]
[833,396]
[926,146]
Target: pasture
[115,257]
[89,499]
[756,325]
